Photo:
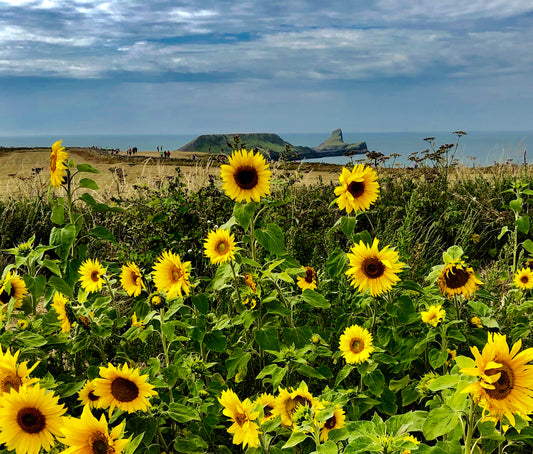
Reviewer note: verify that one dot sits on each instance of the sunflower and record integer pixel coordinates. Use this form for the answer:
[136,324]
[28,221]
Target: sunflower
[13,375]
[246,177]
[267,403]
[123,388]
[29,419]
[59,303]
[288,401]
[170,275]
[13,286]
[91,275]
[244,429]
[136,323]
[219,246]
[505,385]
[476,321]
[456,279]
[523,279]
[411,439]
[372,269]
[434,315]
[58,156]
[250,283]
[87,395]
[336,421]
[89,435]
[156,300]
[309,281]
[356,344]
[131,279]
[358,190]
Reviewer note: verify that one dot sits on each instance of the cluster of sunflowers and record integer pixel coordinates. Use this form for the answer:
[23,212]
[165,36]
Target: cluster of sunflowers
[30,415]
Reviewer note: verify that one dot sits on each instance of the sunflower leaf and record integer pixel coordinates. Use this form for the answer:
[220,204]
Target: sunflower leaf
[244,213]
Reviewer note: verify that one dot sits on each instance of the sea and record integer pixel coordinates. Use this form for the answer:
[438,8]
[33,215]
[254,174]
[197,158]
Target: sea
[477,148]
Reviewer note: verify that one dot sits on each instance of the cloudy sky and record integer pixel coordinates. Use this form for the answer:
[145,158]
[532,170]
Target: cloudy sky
[201,66]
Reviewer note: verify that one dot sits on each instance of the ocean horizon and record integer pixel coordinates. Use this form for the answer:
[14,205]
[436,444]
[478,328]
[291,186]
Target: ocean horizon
[478,148]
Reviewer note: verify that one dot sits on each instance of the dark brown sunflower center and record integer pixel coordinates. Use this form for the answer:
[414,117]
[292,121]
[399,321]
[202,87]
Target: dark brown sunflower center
[221,247]
[53,160]
[330,423]
[246,177]
[373,268]
[309,275]
[524,279]
[267,410]
[92,396]
[99,444]
[95,277]
[176,274]
[356,188]
[456,277]
[358,345]
[135,277]
[124,390]
[240,419]
[31,420]
[4,297]
[504,385]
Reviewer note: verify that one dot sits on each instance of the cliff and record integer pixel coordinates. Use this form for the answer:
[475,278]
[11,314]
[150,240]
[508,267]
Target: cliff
[273,145]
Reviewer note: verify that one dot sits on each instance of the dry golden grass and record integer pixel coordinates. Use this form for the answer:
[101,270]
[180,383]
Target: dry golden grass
[26,172]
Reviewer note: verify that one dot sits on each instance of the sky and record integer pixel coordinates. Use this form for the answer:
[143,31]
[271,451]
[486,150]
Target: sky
[217,66]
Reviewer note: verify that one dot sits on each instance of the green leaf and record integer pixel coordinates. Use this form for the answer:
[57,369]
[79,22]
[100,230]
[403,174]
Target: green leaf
[272,239]
[52,266]
[522,223]
[267,338]
[516,204]
[102,207]
[528,245]
[103,234]
[216,341]
[329,447]
[295,439]
[182,414]
[222,276]
[503,231]
[315,299]
[191,445]
[87,168]
[454,253]
[30,339]
[88,184]
[63,238]
[440,421]
[133,444]
[348,224]
[336,263]
[244,213]
[61,286]
[237,362]
[437,358]
[58,215]
[343,373]
[298,336]
[201,303]
[443,382]
[464,361]
[409,395]
[310,372]
[375,381]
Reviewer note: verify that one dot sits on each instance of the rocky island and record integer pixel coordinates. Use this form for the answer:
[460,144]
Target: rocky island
[274,146]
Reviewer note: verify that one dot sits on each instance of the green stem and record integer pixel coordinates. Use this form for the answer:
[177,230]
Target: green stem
[470,427]
[235,280]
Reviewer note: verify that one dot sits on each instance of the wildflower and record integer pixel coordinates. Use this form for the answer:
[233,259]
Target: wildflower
[219,246]
[131,279]
[29,418]
[59,304]
[267,402]
[476,321]
[23,324]
[411,439]
[170,275]
[315,338]
[12,374]
[523,279]
[356,344]
[91,273]
[434,315]
[244,429]
[251,302]
[372,269]
[89,435]
[456,279]
[123,388]
[58,156]
[475,238]
[246,177]
[309,281]
[156,300]
[505,381]
[358,189]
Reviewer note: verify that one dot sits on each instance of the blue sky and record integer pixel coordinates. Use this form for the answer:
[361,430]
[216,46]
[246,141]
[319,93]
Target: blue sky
[129,66]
